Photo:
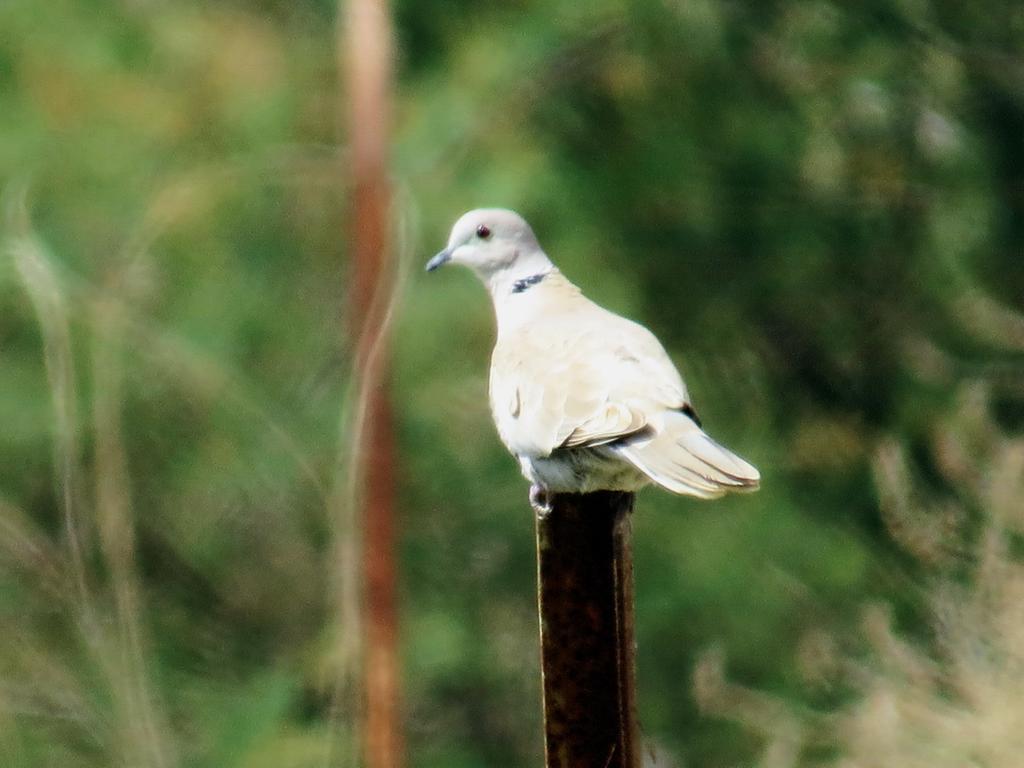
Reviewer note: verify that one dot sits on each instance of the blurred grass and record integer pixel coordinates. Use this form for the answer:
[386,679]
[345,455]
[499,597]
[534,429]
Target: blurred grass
[945,698]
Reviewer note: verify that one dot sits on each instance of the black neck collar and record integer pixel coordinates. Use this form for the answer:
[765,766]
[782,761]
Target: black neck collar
[524,284]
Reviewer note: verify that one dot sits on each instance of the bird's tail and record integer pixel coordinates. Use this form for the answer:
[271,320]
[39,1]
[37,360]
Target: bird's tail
[683,459]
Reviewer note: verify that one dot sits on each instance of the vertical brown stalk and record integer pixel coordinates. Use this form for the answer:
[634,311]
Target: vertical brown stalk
[140,726]
[367,57]
[585,591]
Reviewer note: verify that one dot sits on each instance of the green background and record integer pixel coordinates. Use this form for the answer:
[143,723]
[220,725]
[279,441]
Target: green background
[818,208]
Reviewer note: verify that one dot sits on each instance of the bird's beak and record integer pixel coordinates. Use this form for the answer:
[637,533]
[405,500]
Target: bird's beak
[441,259]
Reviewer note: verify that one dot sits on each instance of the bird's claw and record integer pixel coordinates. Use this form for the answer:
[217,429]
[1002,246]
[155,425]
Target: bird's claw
[540,500]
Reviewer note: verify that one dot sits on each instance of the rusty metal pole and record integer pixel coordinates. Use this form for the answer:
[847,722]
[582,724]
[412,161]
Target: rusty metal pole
[367,64]
[585,595]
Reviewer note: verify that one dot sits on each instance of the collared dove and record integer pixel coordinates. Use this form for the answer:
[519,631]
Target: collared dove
[585,399]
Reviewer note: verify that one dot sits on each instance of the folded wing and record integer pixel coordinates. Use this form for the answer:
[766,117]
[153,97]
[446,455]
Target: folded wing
[683,459]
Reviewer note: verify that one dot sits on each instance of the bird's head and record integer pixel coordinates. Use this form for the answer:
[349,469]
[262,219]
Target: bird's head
[497,244]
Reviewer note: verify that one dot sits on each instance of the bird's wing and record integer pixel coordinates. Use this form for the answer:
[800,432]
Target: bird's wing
[682,458]
[579,378]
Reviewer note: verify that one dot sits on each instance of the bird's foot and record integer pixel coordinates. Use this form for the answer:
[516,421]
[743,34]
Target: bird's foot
[540,500]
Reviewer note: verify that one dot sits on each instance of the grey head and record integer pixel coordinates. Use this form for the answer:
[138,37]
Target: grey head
[497,244]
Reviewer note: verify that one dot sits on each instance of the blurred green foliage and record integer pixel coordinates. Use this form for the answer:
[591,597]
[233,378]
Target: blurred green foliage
[818,207]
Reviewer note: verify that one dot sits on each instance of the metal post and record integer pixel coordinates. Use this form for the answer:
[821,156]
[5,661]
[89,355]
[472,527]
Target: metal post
[585,593]
[367,64]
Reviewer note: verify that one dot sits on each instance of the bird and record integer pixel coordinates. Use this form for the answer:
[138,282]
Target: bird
[585,399]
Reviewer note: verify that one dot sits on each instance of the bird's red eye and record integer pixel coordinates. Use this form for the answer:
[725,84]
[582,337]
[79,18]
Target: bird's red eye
[483,231]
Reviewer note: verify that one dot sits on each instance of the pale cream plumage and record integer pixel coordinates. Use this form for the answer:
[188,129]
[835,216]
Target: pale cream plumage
[586,399]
